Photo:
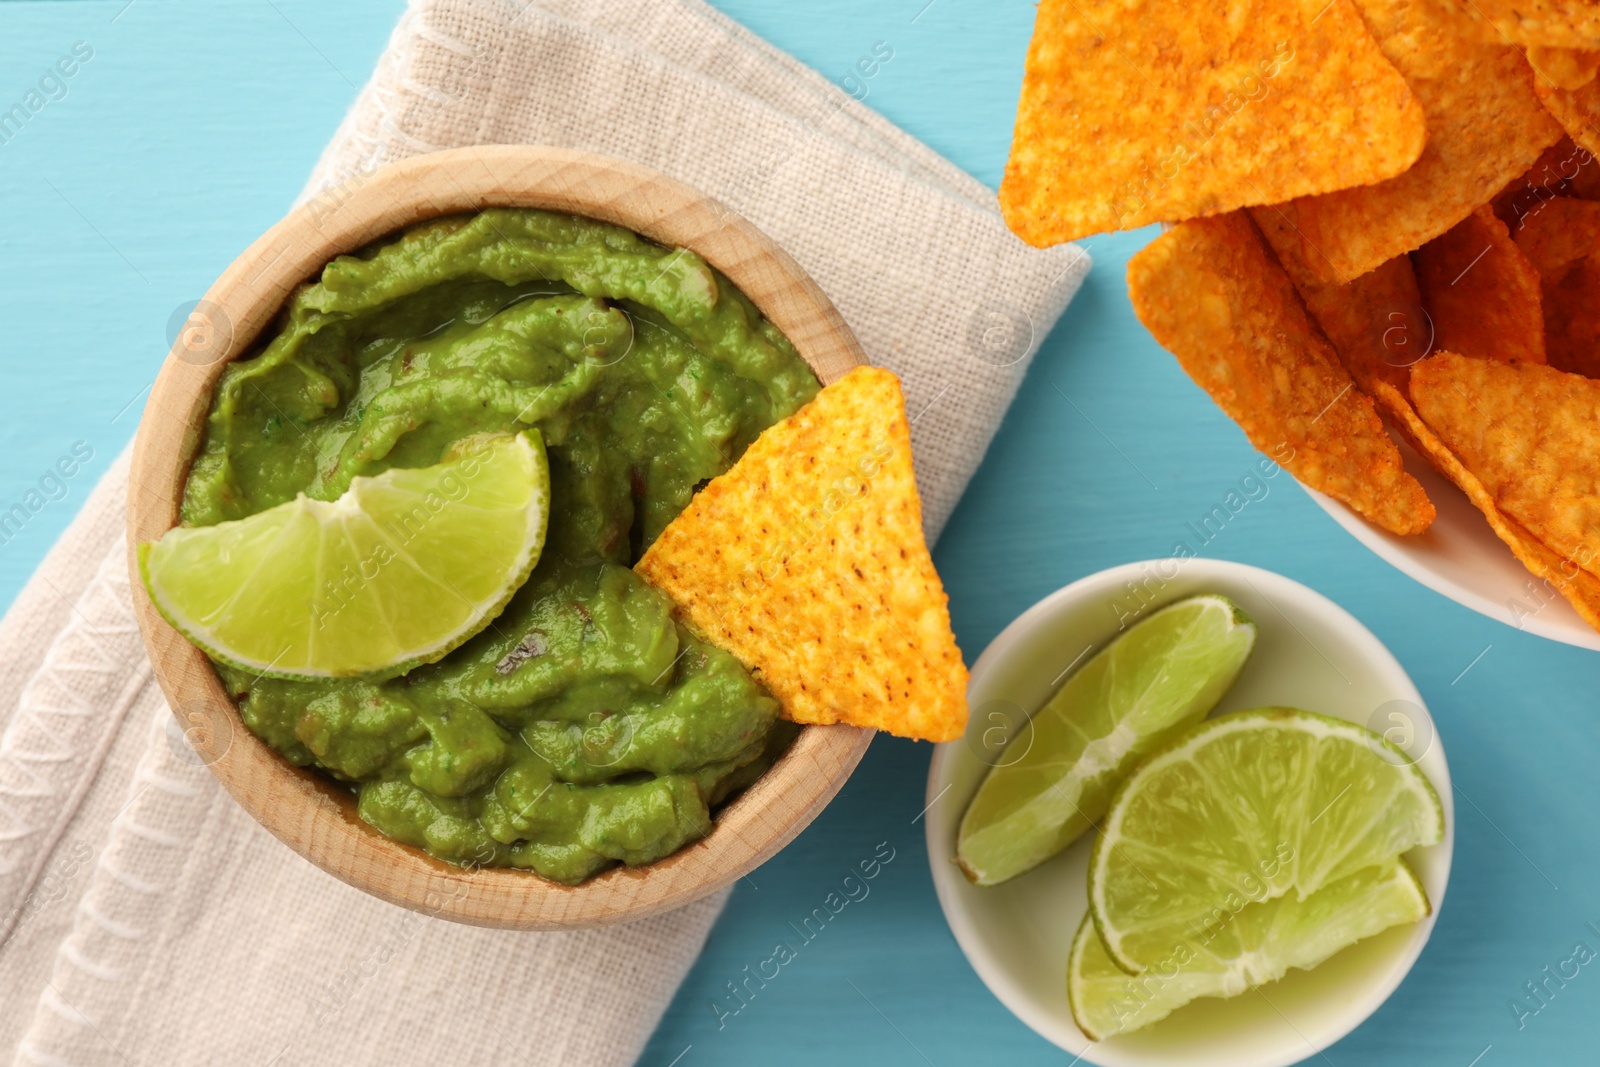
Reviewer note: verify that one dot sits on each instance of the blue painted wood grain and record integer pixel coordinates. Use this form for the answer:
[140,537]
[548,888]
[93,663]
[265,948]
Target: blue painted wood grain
[194,124]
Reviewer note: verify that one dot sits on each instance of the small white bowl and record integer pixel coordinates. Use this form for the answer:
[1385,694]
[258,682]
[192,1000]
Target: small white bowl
[1461,558]
[1310,653]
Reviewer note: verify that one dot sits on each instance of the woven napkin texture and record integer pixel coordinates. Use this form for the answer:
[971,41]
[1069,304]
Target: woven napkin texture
[144,918]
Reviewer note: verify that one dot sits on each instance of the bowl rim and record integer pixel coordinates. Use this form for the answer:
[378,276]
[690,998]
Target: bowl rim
[305,809]
[991,967]
[1416,559]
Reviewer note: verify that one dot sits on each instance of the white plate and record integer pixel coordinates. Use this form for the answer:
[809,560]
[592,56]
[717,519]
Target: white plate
[1461,558]
[1310,653]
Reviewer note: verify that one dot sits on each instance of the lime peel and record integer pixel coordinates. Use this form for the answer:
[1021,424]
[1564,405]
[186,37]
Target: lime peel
[1187,831]
[1269,939]
[1143,688]
[399,570]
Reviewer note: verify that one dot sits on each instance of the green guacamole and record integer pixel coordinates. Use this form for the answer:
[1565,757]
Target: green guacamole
[584,727]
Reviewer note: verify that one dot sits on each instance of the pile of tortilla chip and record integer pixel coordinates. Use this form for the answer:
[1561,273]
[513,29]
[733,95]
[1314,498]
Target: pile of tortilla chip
[807,561]
[1387,221]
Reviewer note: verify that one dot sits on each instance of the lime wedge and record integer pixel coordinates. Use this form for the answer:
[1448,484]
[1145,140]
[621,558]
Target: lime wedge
[399,570]
[1257,945]
[1147,685]
[1248,807]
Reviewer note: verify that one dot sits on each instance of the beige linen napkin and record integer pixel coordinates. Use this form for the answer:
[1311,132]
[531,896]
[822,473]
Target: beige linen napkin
[143,917]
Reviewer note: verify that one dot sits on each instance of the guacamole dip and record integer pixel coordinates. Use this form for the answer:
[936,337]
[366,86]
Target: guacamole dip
[584,727]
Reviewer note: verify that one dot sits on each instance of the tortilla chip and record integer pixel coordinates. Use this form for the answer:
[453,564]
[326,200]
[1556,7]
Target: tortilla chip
[1376,322]
[806,561]
[1564,68]
[1572,319]
[1556,23]
[1135,112]
[1580,587]
[1563,169]
[1578,110]
[1585,181]
[1481,293]
[1211,293]
[1529,434]
[1560,239]
[1485,127]
[1549,171]
[1561,232]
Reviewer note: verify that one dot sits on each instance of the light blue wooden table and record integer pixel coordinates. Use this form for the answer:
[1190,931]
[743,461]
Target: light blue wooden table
[194,124]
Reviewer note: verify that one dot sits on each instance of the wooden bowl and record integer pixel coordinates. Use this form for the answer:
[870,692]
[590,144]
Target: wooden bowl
[307,810]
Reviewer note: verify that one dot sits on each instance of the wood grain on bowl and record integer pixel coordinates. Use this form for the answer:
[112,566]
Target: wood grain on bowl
[309,811]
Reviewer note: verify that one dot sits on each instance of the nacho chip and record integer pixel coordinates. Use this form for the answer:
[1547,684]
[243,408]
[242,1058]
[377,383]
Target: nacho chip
[1563,169]
[1481,293]
[1376,322]
[1585,181]
[1135,112]
[1562,231]
[807,562]
[1529,434]
[1212,295]
[1561,239]
[1556,23]
[1578,110]
[1485,127]
[1580,587]
[1572,319]
[1564,68]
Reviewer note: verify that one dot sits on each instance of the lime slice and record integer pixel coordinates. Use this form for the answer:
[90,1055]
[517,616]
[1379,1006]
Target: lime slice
[1249,807]
[398,571]
[1147,685]
[1258,945]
